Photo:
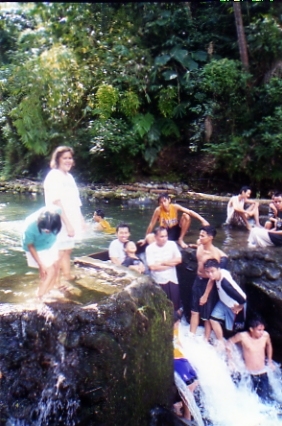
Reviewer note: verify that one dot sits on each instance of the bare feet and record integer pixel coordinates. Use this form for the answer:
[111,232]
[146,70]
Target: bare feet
[182,244]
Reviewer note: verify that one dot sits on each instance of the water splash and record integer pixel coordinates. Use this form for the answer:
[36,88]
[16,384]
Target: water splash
[226,403]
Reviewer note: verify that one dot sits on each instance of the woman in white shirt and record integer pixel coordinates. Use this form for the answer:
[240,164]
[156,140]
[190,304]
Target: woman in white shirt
[60,189]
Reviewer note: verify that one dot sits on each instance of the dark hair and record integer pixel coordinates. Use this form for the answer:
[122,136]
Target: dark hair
[209,229]
[163,195]
[244,189]
[159,229]
[122,225]
[49,220]
[59,151]
[255,321]
[211,263]
[126,242]
[100,213]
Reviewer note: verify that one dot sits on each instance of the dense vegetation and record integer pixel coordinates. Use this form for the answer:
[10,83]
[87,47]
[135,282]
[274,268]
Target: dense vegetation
[157,90]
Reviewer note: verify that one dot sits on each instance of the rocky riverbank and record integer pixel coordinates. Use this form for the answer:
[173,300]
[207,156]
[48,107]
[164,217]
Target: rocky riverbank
[122,192]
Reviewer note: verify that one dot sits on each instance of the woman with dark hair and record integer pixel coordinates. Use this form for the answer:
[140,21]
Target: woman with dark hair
[61,190]
[39,242]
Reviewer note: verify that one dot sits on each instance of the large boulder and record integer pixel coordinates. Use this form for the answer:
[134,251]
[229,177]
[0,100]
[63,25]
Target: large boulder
[105,362]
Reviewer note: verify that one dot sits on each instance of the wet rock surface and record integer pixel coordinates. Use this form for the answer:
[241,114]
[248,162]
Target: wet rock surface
[94,363]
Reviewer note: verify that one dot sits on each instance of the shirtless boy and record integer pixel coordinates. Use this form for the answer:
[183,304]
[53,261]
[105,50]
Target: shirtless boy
[237,214]
[204,293]
[256,344]
[167,215]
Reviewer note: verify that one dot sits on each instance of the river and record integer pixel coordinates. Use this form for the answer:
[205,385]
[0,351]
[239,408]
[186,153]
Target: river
[137,213]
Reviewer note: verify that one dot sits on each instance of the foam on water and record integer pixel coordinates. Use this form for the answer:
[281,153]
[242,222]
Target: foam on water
[225,403]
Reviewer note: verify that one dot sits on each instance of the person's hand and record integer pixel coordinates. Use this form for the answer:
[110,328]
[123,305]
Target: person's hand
[270,364]
[205,222]
[141,242]
[70,231]
[42,271]
[236,309]
[203,300]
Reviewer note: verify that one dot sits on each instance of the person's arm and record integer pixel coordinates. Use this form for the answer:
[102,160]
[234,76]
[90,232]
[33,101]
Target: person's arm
[34,254]
[237,206]
[269,351]
[192,214]
[232,292]
[172,262]
[206,294]
[153,221]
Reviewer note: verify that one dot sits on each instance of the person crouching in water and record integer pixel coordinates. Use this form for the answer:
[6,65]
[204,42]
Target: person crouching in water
[39,243]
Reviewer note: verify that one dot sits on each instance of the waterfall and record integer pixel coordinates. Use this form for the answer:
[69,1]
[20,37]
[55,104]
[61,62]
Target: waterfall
[224,402]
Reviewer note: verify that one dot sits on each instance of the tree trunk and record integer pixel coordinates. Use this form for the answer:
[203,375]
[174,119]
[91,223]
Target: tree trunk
[241,35]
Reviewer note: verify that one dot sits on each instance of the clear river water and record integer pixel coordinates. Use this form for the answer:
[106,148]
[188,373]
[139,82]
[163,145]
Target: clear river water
[137,213]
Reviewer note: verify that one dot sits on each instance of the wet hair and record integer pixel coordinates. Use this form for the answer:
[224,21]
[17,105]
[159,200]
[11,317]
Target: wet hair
[122,225]
[211,263]
[159,229]
[59,151]
[100,213]
[163,195]
[255,321]
[244,189]
[49,220]
[209,229]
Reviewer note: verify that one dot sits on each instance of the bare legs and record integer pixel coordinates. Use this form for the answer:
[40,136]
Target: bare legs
[194,322]
[184,224]
[49,280]
[65,264]
[252,211]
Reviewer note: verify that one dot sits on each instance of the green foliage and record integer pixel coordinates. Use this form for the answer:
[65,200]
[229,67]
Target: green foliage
[107,98]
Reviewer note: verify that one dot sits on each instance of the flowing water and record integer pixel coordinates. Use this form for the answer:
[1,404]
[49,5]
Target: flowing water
[223,403]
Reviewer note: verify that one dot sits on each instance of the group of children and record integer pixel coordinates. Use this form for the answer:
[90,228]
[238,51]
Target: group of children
[39,243]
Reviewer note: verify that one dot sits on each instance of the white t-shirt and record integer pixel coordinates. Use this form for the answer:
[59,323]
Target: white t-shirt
[61,186]
[155,254]
[229,299]
[230,207]
[116,249]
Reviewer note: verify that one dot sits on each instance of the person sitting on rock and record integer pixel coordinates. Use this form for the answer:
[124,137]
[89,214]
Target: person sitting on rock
[116,248]
[275,213]
[132,261]
[167,215]
[101,224]
[237,214]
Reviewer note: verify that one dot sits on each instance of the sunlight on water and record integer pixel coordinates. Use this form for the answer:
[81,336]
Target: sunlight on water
[227,404]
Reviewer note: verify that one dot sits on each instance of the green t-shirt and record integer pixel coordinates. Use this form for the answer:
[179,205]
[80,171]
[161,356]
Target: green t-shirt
[32,235]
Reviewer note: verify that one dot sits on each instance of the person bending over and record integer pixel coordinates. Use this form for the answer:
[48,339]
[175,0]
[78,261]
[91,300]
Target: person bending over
[39,243]
[167,216]
[232,299]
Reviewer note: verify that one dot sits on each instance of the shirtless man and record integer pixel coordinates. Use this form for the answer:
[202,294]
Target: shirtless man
[204,292]
[237,213]
[256,344]
[167,215]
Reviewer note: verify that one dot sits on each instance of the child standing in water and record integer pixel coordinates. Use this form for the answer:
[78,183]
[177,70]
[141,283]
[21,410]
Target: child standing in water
[39,242]
[101,224]
[256,343]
